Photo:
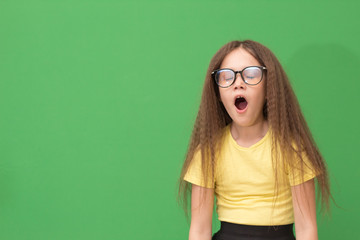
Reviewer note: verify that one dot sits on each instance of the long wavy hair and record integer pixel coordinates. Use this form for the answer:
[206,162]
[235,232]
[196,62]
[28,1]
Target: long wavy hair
[290,132]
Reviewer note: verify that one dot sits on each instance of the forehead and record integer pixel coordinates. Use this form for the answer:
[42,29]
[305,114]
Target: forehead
[238,59]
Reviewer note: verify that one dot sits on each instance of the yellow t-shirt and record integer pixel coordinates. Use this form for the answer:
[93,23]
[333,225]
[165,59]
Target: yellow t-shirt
[244,183]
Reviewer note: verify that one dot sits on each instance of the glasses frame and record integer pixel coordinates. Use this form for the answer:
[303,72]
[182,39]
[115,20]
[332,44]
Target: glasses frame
[213,74]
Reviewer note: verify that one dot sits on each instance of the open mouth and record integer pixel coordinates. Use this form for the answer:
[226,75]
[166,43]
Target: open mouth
[240,103]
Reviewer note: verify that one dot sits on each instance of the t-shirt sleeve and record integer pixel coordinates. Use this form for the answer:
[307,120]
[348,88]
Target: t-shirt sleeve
[194,174]
[296,177]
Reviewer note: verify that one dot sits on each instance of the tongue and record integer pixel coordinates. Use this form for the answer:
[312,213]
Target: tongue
[242,105]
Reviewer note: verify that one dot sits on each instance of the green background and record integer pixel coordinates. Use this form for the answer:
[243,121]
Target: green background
[98,98]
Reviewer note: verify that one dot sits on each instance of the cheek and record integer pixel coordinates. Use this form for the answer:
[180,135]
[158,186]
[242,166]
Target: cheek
[264,93]
[221,94]
[263,86]
[261,93]
[224,97]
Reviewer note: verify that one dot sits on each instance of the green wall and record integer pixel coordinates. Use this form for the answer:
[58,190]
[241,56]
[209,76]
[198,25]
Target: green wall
[97,101]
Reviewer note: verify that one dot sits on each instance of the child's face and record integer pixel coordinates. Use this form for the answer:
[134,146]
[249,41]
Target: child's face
[243,113]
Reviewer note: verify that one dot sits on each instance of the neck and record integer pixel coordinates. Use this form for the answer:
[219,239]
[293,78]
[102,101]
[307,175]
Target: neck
[251,133]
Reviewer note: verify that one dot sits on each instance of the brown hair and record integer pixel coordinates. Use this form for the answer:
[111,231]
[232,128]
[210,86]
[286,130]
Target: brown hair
[290,131]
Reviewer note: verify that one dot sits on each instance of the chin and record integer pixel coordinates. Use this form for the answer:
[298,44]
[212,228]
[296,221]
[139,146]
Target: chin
[243,123]
[247,120]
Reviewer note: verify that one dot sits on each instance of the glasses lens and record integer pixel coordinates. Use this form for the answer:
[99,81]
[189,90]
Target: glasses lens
[252,75]
[224,78]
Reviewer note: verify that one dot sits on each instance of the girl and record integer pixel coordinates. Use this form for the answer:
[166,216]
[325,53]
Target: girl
[251,148]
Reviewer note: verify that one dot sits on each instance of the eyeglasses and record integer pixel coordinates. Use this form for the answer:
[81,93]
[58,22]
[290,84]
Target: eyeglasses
[251,75]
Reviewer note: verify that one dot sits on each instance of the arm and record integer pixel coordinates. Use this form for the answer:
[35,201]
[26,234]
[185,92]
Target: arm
[201,215]
[305,210]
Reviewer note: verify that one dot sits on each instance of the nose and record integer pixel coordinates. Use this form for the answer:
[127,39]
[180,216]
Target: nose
[239,82]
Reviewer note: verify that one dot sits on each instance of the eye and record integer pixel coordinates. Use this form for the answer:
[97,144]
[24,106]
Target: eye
[226,76]
[252,73]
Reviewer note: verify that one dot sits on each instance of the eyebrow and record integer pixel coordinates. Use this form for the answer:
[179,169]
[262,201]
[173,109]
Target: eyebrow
[241,69]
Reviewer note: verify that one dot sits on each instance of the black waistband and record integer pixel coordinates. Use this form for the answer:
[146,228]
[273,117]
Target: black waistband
[240,229]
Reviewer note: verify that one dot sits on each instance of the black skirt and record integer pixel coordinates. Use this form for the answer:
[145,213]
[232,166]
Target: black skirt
[233,231]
